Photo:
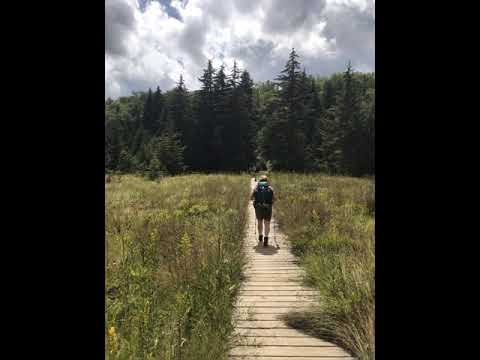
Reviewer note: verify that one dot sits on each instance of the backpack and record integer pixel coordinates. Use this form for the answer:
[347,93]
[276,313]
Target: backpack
[263,195]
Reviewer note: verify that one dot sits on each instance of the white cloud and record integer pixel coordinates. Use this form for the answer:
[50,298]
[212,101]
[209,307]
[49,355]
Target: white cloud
[154,48]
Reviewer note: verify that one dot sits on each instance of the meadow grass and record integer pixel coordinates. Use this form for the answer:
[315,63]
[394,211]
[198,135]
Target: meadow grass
[330,224]
[173,265]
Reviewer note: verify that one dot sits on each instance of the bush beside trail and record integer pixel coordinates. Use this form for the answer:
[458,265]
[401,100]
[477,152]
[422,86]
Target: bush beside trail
[173,265]
[330,224]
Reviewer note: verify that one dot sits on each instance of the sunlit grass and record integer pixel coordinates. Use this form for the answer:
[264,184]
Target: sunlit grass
[330,223]
[173,265]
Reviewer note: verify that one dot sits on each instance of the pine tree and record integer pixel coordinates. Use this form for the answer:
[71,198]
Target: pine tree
[274,142]
[220,146]
[328,152]
[178,117]
[312,135]
[248,118]
[231,134]
[148,113]
[348,116]
[291,113]
[205,118]
[158,115]
[167,150]
[232,124]
[156,169]
[125,161]
[329,95]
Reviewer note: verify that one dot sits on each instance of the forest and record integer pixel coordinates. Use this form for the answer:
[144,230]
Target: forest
[296,122]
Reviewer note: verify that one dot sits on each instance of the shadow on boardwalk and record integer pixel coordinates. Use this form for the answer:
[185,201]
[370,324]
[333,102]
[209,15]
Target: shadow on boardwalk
[270,250]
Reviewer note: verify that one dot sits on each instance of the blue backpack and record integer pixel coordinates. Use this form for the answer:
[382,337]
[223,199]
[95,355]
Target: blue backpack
[263,195]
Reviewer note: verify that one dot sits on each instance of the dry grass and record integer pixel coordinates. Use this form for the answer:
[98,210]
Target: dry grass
[330,223]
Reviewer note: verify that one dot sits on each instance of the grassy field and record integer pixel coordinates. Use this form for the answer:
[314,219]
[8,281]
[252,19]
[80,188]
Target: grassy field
[330,223]
[173,265]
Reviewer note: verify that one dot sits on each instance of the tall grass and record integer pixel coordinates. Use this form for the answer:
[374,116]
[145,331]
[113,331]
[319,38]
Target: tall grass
[330,224]
[173,265]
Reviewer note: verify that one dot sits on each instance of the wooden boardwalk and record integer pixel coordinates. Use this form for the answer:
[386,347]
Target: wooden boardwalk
[271,289]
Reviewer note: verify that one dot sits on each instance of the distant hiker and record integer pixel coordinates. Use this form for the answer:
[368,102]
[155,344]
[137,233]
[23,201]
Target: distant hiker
[253,171]
[263,199]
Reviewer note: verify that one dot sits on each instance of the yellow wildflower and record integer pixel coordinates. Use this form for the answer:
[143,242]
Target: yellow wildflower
[111,331]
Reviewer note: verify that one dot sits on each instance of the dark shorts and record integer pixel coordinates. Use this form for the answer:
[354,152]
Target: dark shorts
[263,213]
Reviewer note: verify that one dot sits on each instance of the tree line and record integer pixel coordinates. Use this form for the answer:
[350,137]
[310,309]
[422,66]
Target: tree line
[297,122]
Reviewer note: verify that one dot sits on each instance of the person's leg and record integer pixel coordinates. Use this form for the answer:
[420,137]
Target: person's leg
[266,227]
[259,224]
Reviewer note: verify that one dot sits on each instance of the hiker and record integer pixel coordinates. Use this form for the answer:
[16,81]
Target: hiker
[263,199]
[253,171]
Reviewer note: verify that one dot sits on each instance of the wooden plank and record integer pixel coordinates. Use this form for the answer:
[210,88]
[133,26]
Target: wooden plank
[283,260]
[289,292]
[272,265]
[273,304]
[271,253]
[288,263]
[273,258]
[270,250]
[270,283]
[292,287]
[282,333]
[281,341]
[280,258]
[257,317]
[264,260]
[261,324]
[275,298]
[276,278]
[305,351]
[243,357]
[274,271]
[271,272]
[264,310]
[279,273]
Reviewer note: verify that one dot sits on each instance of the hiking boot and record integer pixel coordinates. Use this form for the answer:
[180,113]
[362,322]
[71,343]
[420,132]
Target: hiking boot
[260,238]
[265,241]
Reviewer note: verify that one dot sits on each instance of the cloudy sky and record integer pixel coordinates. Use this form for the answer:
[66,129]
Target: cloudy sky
[152,42]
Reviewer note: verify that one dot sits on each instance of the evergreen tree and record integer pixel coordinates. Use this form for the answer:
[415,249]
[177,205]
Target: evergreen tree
[348,114]
[148,113]
[125,161]
[329,95]
[219,156]
[177,109]
[291,113]
[232,124]
[158,112]
[156,169]
[205,118]
[248,117]
[167,150]
[328,152]
[312,135]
